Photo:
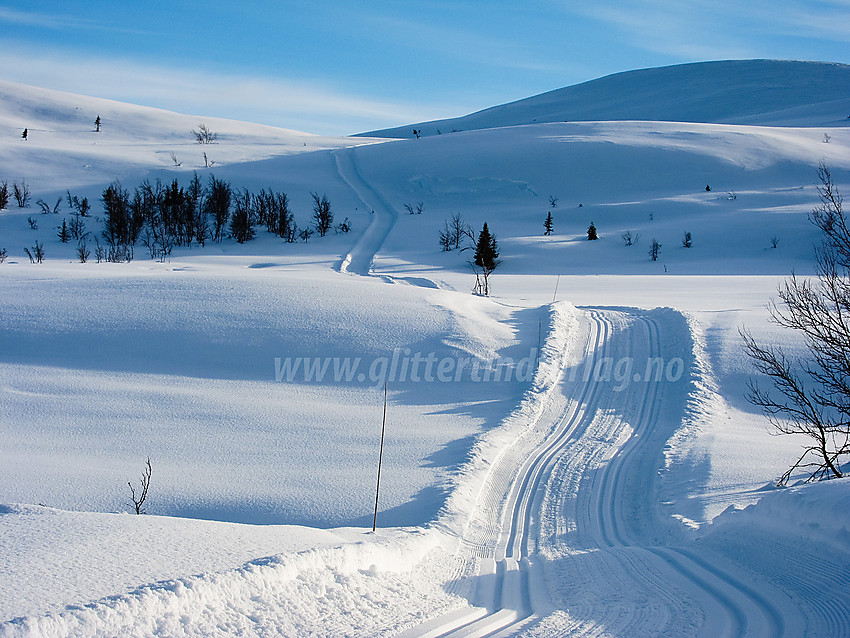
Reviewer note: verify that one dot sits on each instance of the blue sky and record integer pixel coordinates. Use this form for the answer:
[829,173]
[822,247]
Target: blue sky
[341,67]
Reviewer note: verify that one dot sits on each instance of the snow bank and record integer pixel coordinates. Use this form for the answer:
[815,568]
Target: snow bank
[819,511]
[53,559]
[364,588]
[562,321]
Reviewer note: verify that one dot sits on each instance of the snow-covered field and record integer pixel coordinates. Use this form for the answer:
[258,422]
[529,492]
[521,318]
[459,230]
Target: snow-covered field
[524,489]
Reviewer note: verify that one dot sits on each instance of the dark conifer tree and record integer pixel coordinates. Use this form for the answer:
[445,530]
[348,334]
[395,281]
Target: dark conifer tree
[64,234]
[548,224]
[591,232]
[486,258]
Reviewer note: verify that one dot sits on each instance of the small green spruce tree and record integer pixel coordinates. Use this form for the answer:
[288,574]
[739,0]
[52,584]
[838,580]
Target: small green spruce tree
[64,234]
[486,258]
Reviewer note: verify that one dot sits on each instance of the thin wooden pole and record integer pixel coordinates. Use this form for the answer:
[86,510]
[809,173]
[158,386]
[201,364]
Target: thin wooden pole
[557,281]
[380,459]
[539,337]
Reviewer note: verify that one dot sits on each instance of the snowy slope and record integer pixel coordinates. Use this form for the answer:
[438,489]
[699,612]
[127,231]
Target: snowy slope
[63,148]
[527,499]
[763,92]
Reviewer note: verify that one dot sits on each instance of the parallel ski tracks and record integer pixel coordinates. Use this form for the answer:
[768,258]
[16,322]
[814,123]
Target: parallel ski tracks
[511,585]
[505,562]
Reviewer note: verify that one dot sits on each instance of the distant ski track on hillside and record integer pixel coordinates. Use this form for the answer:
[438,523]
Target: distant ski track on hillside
[383,216]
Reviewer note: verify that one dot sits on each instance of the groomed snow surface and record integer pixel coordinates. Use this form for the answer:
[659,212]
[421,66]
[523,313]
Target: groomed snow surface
[577,458]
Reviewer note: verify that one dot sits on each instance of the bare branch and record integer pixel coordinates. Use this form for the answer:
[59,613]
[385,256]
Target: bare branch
[139,501]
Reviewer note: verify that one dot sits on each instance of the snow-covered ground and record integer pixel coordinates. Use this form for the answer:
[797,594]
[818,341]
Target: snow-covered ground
[570,501]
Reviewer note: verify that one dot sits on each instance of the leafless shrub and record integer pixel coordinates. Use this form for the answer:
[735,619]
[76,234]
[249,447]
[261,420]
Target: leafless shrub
[139,500]
[813,394]
[99,251]
[80,207]
[46,209]
[455,233]
[36,255]
[83,251]
[204,135]
[654,249]
[629,239]
[22,194]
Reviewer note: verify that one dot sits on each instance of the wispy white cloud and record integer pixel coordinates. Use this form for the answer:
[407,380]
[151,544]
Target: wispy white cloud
[701,29]
[669,28]
[465,45]
[34,18]
[56,21]
[282,102]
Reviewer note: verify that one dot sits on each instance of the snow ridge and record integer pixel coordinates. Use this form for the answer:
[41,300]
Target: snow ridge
[310,593]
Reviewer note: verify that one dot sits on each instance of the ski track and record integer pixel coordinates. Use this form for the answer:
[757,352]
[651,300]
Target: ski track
[384,216]
[597,466]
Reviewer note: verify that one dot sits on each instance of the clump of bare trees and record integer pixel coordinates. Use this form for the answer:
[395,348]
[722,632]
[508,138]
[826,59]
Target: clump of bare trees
[415,209]
[630,239]
[322,215]
[654,249]
[22,194]
[162,216]
[455,233]
[204,135]
[46,209]
[812,397]
[36,255]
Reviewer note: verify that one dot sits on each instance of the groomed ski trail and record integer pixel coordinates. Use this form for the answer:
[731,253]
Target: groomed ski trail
[577,498]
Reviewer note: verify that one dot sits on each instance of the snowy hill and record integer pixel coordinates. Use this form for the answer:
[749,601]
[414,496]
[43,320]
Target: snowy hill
[763,92]
[62,143]
[509,503]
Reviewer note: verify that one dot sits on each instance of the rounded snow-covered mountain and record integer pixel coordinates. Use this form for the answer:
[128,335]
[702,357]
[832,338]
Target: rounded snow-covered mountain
[761,92]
